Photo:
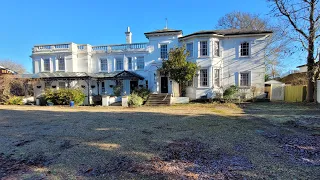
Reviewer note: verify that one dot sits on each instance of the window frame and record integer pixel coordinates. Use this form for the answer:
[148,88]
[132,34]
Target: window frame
[204,79]
[248,50]
[190,52]
[201,49]
[64,86]
[59,64]
[117,64]
[217,78]
[47,84]
[247,80]
[129,63]
[164,51]
[46,65]
[216,49]
[141,58]
[104,64]
[103,87]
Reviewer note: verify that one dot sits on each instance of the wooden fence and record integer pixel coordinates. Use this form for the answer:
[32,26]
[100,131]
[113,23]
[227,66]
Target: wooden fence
[295,93]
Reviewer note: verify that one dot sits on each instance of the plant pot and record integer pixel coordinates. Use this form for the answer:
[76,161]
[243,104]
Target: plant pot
[50,103]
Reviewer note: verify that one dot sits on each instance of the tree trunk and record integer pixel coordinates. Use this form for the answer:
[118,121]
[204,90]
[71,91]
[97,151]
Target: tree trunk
[310,60]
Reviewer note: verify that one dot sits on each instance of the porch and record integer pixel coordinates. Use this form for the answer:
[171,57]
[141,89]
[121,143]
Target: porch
[93,85]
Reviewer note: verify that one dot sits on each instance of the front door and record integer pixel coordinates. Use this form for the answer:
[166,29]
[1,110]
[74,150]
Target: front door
[133,86]
[164,84]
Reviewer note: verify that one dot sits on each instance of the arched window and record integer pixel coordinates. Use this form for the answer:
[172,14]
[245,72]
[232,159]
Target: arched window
[244,49]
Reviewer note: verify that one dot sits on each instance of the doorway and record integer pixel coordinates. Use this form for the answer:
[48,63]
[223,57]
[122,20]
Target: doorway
[133,86]
[164,84]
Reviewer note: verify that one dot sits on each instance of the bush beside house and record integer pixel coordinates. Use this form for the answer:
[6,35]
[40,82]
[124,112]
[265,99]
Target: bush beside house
[64,96]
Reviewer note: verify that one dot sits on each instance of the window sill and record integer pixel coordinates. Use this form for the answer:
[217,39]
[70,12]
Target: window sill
[244,87]
[203,57]
[244,56]
[203,87]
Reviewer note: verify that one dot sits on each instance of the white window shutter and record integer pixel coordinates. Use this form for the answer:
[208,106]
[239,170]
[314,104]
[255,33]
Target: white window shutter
[236,77]
[199,49]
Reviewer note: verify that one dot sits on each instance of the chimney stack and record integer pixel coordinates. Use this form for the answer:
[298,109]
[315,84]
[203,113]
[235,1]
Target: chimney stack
[128,36]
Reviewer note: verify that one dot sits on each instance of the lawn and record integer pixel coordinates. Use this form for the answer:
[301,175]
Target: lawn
[195,141]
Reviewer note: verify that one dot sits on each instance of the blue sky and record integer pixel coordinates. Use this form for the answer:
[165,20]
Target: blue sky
[26,23]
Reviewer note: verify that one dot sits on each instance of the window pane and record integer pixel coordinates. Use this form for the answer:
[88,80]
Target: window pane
[62,85]
[104,64]
[217,48]
[140,63]
[47,84]
[103,88]
[163,51]
[119,64]
[129,63]
[244,49]
[61,64]
[203,48]
[217,77]
[190,49]
[46,64]
[203,77]
[244,79]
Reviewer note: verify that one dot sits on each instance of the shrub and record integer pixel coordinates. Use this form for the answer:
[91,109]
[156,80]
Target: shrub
[230,92]
[143,93]
[64,96]
[14,100]
[117,90]
[135,100]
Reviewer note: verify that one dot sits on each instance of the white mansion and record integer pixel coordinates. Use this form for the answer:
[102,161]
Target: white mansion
[225,57]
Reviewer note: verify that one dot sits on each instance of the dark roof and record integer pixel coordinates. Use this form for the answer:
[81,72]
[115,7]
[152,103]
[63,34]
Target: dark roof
[163,31]
[103,75]
[301,66]
[81,75]
[62,74]
[128,74]
[228,32]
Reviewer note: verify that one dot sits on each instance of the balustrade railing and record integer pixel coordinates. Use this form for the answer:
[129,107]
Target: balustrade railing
[51,47]
[117,47]
[120,47]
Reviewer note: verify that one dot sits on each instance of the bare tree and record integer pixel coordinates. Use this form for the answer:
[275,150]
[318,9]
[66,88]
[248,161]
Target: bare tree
[19,68]
[242,20]
[303,19]
[276,43]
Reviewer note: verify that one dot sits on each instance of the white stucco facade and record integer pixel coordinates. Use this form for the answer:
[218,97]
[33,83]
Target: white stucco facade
[217,54]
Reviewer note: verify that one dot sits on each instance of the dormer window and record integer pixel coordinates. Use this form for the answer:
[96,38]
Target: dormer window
[244,49]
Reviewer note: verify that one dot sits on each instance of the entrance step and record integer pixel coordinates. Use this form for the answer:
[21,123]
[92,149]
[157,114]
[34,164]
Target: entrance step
[158,100]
